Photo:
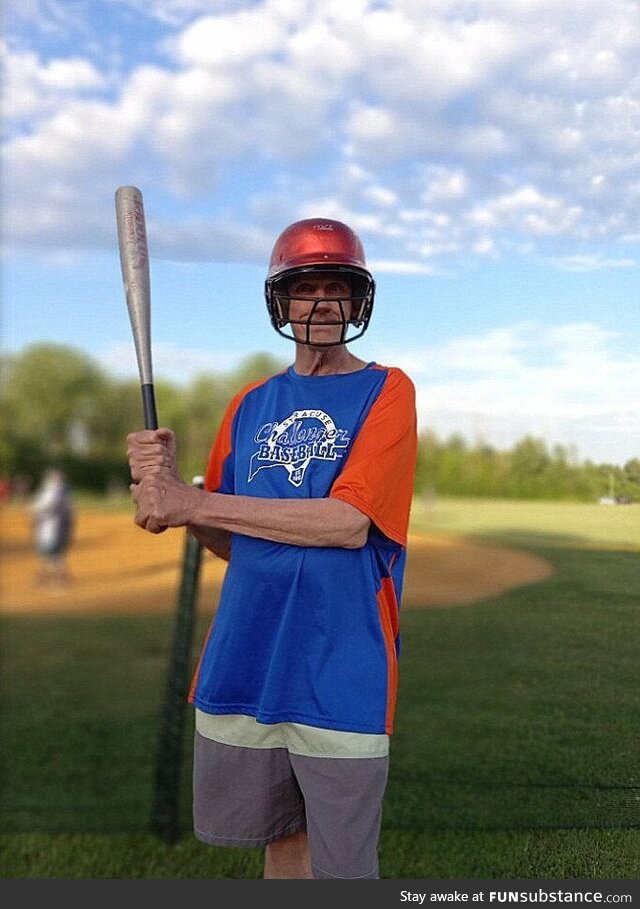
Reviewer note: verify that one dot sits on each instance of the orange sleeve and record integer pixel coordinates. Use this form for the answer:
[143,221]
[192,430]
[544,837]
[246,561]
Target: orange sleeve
[222,445]
[378,475]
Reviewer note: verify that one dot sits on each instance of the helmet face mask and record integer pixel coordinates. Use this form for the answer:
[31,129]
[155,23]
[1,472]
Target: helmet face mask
[318,248]
[350,311]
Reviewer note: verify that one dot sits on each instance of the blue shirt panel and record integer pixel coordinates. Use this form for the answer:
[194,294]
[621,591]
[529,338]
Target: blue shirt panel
[297,635]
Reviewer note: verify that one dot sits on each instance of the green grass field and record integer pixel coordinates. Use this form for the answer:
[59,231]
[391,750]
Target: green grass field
[515,756]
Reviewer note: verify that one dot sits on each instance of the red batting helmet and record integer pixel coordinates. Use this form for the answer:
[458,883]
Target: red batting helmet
[312,245]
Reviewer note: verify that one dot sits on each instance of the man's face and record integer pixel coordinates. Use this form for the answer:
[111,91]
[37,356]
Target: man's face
[319,305]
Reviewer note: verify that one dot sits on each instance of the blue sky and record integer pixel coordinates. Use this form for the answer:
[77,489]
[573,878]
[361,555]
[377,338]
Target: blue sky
[486,151]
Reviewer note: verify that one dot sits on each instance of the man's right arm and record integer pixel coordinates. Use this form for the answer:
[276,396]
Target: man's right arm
[165,500]
[214,539]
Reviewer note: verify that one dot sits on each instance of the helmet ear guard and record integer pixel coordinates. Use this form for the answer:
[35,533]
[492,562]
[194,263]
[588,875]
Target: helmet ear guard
[363,289]
[317,245]
[278,308]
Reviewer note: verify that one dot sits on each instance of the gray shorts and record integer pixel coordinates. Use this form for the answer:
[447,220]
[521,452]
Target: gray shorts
[255,796]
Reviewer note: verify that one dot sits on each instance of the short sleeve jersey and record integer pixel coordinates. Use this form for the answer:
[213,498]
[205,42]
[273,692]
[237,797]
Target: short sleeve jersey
[310,634]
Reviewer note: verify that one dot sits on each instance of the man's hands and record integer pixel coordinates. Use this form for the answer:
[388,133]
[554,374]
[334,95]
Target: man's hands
[151,448]
[162,498]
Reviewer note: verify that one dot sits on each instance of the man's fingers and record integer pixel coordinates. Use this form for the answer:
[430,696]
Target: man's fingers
[145,458]
[146,522]
[149,495]
[151,456]
[152,527]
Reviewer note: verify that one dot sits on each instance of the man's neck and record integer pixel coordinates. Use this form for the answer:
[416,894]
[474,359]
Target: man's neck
[325,361]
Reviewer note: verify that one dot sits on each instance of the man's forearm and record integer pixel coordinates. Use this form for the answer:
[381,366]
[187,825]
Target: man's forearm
[212,538]
[298,522]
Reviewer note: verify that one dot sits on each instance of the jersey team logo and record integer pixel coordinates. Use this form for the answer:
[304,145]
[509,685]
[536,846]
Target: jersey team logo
[292,444]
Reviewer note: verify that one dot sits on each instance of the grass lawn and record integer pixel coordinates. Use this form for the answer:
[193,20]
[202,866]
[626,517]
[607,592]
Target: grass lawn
[516,751]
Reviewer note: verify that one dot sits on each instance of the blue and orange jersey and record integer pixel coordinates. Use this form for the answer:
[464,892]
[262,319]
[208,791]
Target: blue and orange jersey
[310,634]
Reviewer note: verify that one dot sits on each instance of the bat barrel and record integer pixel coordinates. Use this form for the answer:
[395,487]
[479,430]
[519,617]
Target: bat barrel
[134,262]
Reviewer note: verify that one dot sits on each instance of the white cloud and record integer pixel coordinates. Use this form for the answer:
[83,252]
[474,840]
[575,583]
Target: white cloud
[171,362]
[566,383]
[528,209]
[488,125]
[399,267]
[37,88]
[229,41]
[445,185]
[592,263]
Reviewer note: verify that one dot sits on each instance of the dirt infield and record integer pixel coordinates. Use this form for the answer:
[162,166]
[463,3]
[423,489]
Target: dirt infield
[116,567]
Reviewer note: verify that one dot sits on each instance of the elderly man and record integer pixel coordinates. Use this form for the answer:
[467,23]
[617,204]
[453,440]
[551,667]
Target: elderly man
[307,496]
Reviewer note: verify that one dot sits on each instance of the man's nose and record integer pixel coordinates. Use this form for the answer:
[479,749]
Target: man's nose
[323,294]
[327,308]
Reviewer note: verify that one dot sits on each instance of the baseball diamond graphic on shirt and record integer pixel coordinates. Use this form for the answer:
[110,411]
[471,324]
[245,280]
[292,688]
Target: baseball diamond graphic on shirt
[293,443]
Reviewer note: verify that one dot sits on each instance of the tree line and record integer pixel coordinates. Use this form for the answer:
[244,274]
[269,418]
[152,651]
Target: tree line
[57,406]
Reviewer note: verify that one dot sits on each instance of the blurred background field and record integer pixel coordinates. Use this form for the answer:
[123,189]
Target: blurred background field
[569,523]
[467,145]
[516,750]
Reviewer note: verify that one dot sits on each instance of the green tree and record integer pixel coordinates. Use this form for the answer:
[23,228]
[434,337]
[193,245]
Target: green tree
[257,366]
[205,401]
[632,472]
[50,398]
[530,460]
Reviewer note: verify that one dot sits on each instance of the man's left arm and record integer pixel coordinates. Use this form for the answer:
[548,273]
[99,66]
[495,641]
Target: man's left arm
[378,476]
[164,500]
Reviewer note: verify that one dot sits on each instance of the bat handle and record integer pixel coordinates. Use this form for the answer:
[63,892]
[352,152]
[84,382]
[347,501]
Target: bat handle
[149,406]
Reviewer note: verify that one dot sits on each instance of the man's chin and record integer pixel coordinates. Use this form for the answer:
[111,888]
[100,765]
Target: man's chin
[320,337]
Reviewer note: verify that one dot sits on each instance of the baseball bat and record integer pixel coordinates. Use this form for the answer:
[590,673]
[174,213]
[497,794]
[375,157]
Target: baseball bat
[134,263]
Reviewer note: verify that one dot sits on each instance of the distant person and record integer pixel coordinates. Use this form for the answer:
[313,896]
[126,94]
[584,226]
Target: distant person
[52,512]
